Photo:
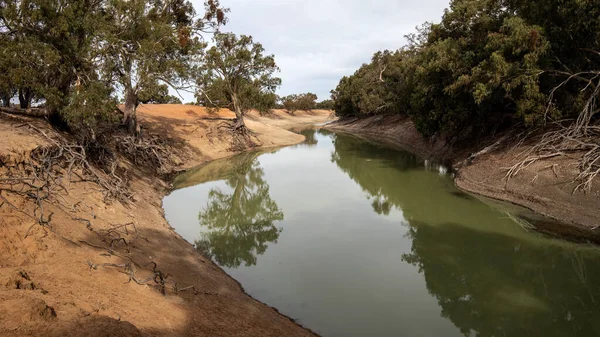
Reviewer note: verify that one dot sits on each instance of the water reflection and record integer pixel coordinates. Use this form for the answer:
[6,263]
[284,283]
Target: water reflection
[240,224]
[363,161]
[381,205]
[395,179]
[310,134]
[377,244]
[498,286]
[489,275]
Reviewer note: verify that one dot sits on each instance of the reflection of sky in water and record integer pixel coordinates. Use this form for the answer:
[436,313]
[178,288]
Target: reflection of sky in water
[438,264]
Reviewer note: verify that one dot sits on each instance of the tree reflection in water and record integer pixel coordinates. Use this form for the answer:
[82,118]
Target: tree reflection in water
[489,276]
[309,133]
[239,225]
[368,164]
[497,286]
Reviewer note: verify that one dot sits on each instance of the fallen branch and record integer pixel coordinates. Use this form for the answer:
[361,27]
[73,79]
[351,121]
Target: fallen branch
[158,276]
[30,112]
[41,180]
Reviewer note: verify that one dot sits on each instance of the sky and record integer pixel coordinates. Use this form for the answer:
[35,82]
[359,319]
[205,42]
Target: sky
[317,42]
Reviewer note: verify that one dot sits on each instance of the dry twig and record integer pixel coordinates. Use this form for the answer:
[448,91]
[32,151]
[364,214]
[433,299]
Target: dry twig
[580,136]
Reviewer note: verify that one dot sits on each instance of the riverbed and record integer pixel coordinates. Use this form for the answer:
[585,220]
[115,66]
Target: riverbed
[352,238]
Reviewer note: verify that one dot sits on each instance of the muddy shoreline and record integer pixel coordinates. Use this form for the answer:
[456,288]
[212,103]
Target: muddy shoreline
[547,192]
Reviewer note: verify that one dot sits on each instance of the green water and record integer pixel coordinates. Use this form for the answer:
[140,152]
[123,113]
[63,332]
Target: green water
[355,239]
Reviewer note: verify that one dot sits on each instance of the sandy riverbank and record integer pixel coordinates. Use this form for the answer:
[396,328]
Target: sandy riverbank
[64,279]
[545,187]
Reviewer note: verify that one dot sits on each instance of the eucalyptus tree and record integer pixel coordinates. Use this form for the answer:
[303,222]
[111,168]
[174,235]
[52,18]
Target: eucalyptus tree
[307,101]
[47,48]
[215,95]
[290,103]
[245,75]
[294,102]
[152,43]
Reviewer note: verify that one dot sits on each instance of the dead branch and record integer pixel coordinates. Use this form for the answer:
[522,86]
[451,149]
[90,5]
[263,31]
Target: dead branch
[580,136]
[150,151]
[485,150]
[177,290]
[40,180]
[158,276]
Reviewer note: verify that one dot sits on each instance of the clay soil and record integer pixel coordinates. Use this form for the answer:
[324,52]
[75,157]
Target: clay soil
[64,279]
[546,187]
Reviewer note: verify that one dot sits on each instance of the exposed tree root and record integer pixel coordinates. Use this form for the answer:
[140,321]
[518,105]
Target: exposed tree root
[151,151]
[158,277]
[41,181]
[50,169]
[242,137]
[581,136]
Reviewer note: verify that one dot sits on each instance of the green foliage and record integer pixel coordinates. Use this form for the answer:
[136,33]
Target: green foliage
[290,103]
[325,105]
[295,102]
[215,95]
[240,224]
[488,63]
[307,101]
[238,74]
[89,105]
[68,53]
[148,46]
[159,95]
[48,46]
[479,65]
[368,90]
[264,102]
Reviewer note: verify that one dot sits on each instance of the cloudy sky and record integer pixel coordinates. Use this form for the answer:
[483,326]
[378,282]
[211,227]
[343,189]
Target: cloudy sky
[316,42]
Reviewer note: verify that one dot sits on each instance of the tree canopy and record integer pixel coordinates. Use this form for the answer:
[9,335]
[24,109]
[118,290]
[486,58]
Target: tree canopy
[488,63]
[152,45]
[49,48]
[295,102]
[325,104]
[238,74]
[75,56]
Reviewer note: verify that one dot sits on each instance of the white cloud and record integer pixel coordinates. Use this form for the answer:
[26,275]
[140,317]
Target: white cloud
[316,42]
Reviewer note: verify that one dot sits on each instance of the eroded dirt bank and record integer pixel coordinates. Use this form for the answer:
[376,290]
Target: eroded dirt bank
[545,187]
[395,130]
[79,274]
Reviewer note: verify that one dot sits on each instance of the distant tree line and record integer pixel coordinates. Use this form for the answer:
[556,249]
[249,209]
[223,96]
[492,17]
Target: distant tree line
[487,64]
[295,102]
[216,95]
[303,102]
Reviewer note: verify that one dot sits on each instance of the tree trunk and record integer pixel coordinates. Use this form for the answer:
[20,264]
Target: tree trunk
[129,112]
[239,114]
[5,100]
[25,96]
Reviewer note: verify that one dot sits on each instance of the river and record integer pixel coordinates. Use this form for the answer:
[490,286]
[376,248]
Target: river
[352,238]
